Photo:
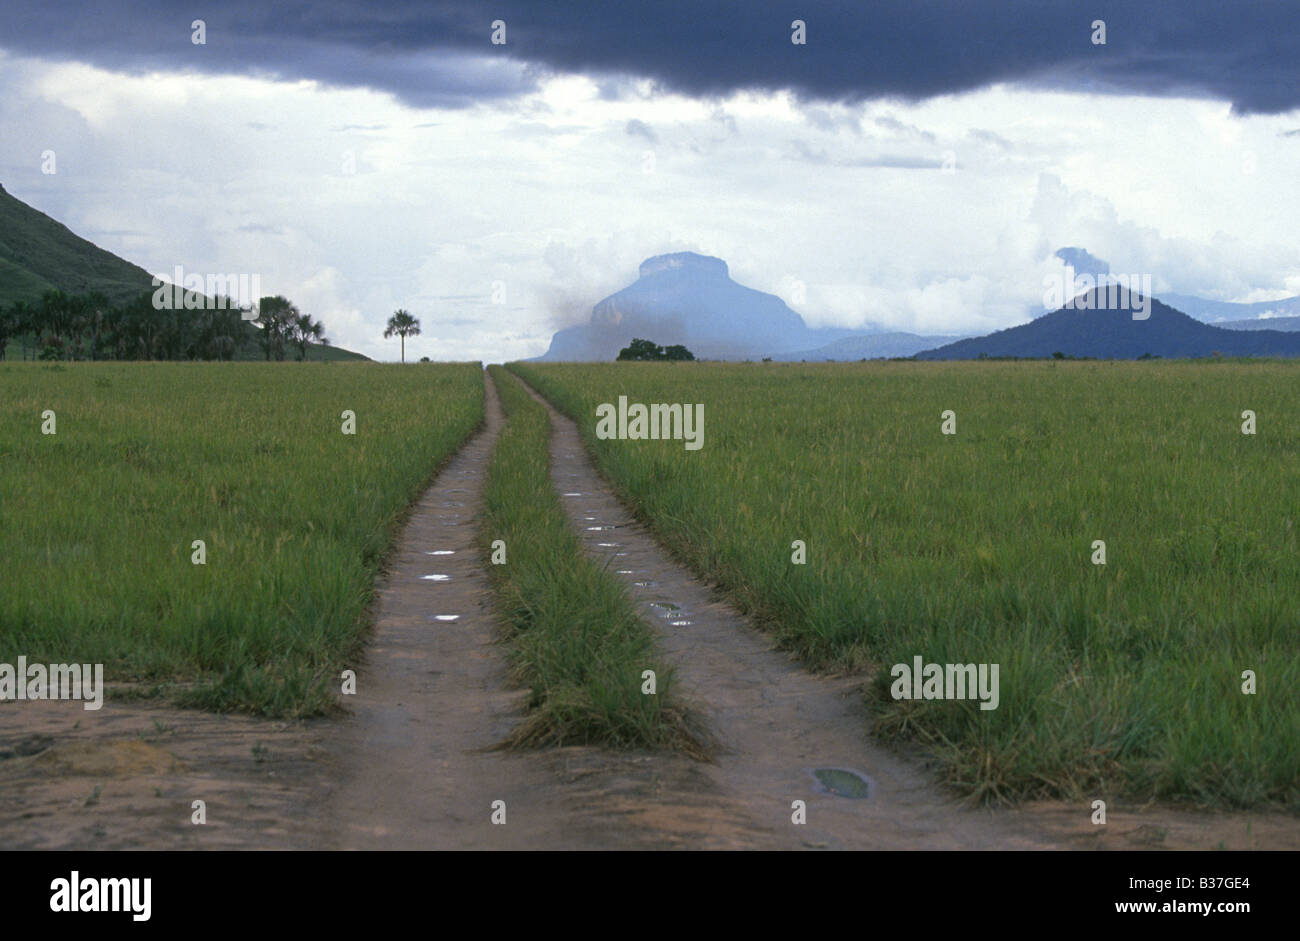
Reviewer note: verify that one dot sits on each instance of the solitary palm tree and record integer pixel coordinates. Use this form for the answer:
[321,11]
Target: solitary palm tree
[403,325]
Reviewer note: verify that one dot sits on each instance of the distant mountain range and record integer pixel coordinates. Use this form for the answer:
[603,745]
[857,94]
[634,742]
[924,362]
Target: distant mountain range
[1096,331]
[690,299]
[1263,323]
[1222,311]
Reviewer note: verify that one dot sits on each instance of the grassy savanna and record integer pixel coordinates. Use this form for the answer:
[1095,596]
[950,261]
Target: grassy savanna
[98,520]
[1115,679]
[574,637]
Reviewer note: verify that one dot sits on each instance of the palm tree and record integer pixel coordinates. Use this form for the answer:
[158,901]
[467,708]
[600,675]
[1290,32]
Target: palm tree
[20,325]
[403,325]
[307,331]
[135,328]
[96,314]
[276,316]
[52,323]
[8,326]
[218,331]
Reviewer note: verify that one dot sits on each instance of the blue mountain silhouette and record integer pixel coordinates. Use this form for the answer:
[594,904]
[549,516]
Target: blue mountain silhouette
[1112,333]
[690,299]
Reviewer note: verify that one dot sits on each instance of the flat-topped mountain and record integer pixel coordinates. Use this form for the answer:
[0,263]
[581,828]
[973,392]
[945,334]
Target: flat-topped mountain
[690,299]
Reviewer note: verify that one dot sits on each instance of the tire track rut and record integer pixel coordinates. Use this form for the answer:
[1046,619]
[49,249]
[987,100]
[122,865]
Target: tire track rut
[433,694]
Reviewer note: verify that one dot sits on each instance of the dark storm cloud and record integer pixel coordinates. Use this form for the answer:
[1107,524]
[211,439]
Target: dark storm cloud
[439,53]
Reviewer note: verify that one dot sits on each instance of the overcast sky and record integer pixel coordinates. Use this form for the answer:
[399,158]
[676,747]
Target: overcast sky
[914,165]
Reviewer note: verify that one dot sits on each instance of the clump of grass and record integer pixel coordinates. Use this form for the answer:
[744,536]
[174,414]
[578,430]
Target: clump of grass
[1123,678]
[574,637]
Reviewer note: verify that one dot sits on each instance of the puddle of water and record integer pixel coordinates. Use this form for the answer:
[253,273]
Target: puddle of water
[575,494]
[646,584]
[666,605]
[445,617]
[681,623]
[608,545]
[589,518]
[434,578]
[625,572]
[599,529]
[843,783]
[442,552]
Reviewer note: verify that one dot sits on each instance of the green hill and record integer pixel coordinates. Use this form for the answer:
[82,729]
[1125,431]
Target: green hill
[38,254]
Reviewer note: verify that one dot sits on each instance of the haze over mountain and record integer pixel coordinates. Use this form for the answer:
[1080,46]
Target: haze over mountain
[1104,332]
[690,299]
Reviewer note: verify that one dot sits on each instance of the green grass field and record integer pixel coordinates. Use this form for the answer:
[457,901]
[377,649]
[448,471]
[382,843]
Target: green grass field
[97,521]
[575,638]
[1123,678]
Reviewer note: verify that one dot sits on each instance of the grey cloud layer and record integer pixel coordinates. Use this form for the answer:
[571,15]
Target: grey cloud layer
[439,53]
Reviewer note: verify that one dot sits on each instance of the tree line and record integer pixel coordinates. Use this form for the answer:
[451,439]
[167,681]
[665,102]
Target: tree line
[90,327]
